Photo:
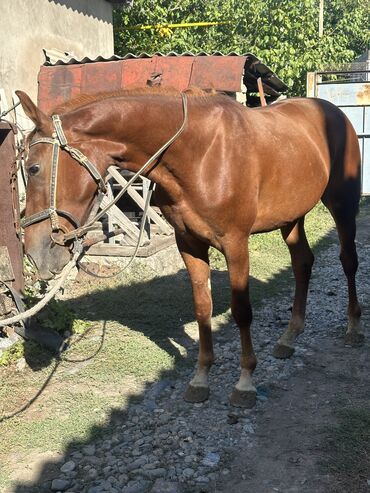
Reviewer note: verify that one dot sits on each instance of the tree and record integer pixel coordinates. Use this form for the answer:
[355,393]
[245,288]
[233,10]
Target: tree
[282,33]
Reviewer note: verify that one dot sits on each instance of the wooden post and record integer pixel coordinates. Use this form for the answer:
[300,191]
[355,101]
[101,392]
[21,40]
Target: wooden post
[321,19]
[261,92]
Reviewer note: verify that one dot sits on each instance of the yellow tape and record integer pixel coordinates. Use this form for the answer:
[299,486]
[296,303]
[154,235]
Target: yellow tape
[171,26]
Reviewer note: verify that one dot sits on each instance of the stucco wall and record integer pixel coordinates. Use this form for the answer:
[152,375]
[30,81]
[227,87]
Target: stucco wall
[82,27]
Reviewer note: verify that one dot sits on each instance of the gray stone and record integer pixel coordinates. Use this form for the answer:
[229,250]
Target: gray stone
[137,463]
[151,465]
[77,455]
[95,489]
[68,467]
[162,486]
[122,479]
[92,473]
[89,449]
[202,479]
[211,459]
[136,487]
[60,484]
[154,473]
[188,472]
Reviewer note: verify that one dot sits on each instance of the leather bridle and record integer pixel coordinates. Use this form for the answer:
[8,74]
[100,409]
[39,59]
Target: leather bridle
[59,141]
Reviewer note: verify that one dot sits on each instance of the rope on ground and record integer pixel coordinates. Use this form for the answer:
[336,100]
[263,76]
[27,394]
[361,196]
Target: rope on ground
[48,296]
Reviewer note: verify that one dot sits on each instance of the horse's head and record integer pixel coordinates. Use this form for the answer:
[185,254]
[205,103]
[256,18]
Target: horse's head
[60,191]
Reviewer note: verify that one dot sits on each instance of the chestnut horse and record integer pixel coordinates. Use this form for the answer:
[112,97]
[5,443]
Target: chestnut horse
[234,171]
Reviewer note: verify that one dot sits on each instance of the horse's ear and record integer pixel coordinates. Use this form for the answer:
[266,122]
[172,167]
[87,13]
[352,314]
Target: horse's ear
[39,118]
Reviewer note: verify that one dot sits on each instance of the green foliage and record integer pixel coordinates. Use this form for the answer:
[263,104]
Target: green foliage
[58,317]
[80,326]
[283,33]
[13,354]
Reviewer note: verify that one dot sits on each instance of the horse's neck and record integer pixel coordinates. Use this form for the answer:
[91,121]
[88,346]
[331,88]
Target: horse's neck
[148,127]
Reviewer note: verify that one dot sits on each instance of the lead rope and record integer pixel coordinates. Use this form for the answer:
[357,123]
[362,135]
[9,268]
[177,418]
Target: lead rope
[48,296]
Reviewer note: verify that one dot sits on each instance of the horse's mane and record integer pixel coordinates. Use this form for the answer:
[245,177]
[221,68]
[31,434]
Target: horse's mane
[85,99]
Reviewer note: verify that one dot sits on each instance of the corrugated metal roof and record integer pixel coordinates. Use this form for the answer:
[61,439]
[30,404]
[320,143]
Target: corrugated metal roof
[100,58]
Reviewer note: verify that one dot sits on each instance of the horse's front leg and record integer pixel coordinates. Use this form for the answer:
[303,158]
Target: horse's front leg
[237,256]
[195,256]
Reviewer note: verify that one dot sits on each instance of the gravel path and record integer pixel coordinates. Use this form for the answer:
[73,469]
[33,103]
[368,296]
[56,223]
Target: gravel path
[168,446]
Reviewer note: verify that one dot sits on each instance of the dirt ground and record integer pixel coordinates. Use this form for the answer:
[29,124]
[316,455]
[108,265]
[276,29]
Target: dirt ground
[313,433]
[290,446]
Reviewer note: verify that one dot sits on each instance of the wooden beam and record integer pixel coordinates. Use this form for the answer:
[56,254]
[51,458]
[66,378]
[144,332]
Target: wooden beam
[157,244]
[123,221]
[154,216]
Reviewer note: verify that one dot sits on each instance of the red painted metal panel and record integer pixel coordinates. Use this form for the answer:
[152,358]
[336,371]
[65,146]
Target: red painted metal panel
[136,72]
[223,73]
[174,71]
[58,84]
[99,77]
[9,205]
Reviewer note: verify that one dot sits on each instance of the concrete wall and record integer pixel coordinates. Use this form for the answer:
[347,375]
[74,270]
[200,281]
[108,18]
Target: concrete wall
[81,27]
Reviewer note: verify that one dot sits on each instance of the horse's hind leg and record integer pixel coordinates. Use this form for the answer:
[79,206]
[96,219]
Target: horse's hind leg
[302,260]
[344,215]
[195,256]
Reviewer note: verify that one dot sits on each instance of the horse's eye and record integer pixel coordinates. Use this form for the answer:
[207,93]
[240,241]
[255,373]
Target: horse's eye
[34,169]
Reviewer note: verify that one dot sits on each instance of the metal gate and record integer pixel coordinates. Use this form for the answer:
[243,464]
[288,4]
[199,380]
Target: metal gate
[350,91]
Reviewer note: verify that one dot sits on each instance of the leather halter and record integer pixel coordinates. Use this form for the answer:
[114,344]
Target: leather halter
[59,141]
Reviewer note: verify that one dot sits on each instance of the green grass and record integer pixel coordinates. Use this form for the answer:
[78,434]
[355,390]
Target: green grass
[149,323]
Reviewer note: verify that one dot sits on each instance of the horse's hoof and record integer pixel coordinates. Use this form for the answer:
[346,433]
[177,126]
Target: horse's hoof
[196,394]
[243,398]
[282,351]
[354,339]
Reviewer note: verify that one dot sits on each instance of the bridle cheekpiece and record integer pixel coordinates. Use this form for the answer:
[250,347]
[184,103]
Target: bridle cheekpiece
[59,141]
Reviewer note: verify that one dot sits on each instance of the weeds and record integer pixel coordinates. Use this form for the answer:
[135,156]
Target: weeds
[13,354]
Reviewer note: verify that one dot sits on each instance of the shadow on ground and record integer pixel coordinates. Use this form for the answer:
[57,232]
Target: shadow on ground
[151,308]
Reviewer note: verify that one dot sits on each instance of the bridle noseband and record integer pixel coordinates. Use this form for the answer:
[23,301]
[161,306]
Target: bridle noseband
[59,141]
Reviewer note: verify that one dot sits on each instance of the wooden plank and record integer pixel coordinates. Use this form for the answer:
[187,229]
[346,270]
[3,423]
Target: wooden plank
[110,221]
[6,270]
[157,244]
[9,205]
[154,216]
[121,220]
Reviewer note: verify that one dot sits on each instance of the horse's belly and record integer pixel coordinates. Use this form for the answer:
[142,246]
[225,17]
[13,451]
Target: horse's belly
[290,200]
